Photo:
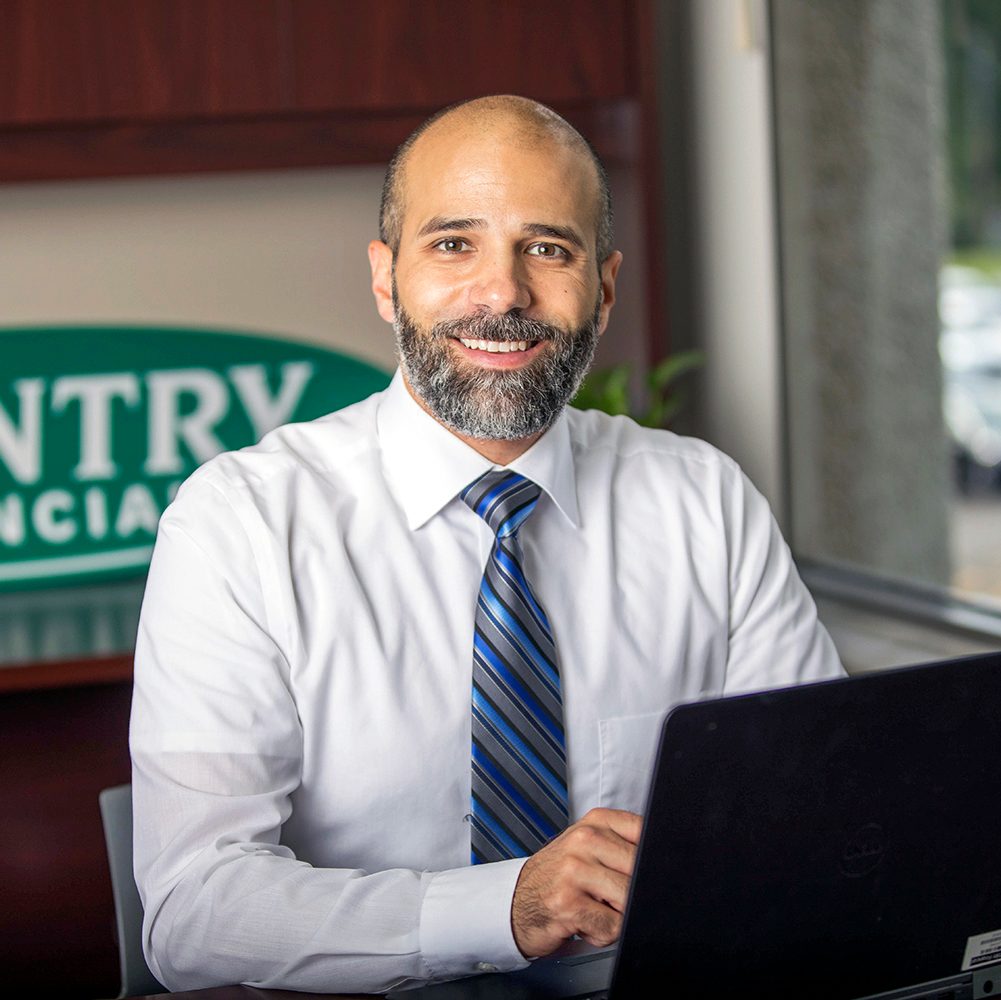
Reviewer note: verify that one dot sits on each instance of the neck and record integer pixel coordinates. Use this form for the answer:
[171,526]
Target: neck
[500,451]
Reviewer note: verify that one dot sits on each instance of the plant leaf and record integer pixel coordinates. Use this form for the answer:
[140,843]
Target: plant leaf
[673,367]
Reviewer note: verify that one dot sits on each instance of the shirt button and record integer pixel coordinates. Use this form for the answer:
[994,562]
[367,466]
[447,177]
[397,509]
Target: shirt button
[486,967]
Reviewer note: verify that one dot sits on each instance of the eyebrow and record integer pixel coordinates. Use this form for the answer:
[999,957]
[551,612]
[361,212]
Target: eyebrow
[441,223]
[556,232]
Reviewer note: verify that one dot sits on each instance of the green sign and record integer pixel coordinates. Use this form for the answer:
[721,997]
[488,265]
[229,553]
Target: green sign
[100,425]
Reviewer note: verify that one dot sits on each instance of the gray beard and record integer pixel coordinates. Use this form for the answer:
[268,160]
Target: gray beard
[494,404]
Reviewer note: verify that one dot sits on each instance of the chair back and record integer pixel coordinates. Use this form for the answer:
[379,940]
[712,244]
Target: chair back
[116,815]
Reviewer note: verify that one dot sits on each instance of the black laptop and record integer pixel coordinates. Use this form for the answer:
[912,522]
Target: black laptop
[832,841]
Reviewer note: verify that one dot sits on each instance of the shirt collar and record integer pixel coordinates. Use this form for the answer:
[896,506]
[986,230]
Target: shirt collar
[427,465]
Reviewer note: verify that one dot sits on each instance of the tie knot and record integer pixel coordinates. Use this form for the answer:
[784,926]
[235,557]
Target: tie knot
[504,499]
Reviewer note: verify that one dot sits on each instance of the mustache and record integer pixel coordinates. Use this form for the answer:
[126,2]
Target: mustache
[485,326]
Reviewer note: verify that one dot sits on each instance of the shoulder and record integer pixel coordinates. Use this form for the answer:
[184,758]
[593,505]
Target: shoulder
[620,444]
[325,452]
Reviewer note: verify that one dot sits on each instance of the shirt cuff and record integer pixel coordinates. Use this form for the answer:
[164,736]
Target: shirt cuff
[466,921]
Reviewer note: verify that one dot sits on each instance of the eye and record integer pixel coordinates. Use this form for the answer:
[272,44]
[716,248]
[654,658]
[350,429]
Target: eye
[452,245]
[551,250]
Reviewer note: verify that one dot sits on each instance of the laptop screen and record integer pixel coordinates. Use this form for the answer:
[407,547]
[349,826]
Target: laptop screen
[834,840]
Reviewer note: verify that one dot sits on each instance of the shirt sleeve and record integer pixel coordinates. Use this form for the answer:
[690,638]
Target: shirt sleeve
[217,753]
[776,638]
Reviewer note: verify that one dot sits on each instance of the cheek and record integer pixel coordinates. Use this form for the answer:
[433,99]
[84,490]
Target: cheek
[428,293]
[574,300]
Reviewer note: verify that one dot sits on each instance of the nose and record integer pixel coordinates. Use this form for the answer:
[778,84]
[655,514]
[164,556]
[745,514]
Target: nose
[499,284]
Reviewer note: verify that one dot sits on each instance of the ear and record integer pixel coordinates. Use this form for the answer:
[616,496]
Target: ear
[380,259]
[609,271]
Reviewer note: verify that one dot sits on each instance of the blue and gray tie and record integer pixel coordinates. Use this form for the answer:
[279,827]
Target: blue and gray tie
[519,784]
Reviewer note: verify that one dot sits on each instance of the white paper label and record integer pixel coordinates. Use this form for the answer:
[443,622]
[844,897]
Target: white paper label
[981,950]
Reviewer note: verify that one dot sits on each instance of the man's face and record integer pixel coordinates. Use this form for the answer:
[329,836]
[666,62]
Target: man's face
[495,293]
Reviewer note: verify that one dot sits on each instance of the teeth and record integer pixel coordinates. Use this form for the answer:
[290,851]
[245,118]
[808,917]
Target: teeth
[496,346]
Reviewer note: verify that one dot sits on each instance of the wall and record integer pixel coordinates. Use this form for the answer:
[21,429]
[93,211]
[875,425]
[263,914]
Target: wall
[268,252]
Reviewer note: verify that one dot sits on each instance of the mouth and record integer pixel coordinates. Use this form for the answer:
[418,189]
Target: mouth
[498,346]
[504,354]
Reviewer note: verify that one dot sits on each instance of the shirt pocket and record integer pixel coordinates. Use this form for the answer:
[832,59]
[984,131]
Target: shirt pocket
[628,745]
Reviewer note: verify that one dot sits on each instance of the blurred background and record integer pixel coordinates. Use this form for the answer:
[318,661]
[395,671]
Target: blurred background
[806,193]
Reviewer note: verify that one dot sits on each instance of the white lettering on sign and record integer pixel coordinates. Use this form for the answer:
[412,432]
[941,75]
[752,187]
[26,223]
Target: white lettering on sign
[171,422]
[21,447]
[185,409]
[267,412]
[138,512]
[58,516]
[12,520]
[95,505]
[50,516]
[167,428]
[95,393]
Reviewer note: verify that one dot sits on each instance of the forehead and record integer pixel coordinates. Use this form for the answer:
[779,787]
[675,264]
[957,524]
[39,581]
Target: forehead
[503,174]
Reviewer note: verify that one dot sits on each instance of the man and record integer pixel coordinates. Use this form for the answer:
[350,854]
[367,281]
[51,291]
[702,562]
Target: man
[314,745]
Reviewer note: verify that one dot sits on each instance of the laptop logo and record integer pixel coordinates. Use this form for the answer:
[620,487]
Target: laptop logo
[863,851]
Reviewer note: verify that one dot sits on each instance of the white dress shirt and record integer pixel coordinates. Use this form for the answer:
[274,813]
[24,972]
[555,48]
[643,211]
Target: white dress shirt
[301,719]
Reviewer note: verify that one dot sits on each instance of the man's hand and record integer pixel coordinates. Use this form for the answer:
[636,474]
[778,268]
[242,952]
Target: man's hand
[577,884]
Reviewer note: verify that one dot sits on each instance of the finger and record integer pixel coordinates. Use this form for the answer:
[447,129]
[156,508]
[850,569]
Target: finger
[599,925]
[605,886]
[595,862]
[627,825]
[601,846]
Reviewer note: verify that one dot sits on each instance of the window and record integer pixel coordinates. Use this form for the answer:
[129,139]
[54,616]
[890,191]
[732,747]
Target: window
[887,123]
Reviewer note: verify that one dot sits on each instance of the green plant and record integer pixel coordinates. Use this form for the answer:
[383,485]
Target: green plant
[607,389]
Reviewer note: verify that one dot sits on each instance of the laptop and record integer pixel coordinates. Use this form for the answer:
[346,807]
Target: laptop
[832,841]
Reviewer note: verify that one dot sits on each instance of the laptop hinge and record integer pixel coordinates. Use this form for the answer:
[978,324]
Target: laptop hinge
[987,982]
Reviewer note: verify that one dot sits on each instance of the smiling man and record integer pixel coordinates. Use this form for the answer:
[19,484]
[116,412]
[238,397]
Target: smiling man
[500,278]
[400,671]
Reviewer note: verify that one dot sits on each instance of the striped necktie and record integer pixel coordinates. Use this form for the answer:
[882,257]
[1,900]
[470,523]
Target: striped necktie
[519,784]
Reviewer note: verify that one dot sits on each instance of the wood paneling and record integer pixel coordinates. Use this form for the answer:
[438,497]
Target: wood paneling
[139,60]
[105,88]
[407,54]
[91,61]
[309,141]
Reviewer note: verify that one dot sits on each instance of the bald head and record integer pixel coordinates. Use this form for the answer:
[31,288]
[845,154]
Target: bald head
[519,120]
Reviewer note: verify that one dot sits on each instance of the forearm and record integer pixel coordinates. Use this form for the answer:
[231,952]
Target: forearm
[223,905]
[271,921]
